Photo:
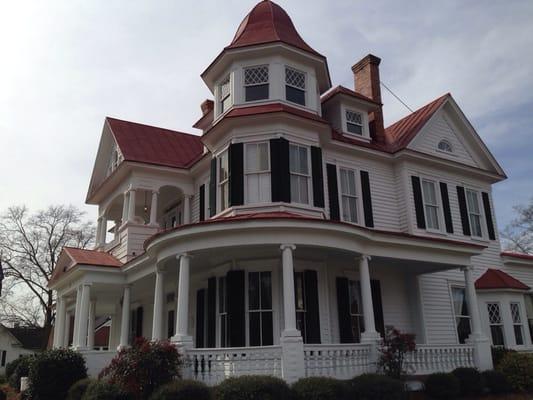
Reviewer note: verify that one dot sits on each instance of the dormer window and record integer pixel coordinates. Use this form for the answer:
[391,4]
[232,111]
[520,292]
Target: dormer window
[445,146]
[295,86]
[354,122]
[256,83]
[225,94]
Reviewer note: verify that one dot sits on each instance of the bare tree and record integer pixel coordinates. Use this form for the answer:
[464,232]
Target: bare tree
[518,235]
[30,245]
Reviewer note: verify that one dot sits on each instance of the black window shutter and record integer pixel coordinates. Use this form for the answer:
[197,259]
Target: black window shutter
[139,322]
[378,306]
[236,318]
[488,215]
[367,199]
[200,318]
[202,202]
[463,210]
[236,174]
[318,178]
[446,207]
[419,204]
[312,315]
[343,307]
[212,312]
[213,188]
[333,192]
[279,170]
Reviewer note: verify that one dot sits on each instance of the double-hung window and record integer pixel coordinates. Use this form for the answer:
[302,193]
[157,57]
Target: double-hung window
[256,83]
[356,310]
[300,176]
[301,303]
[295,86]
[496,324]
[223,311]
[354,122]
[223,180]
[474,212]
[257,173]
[462,316]
[260,308]
[517,324]
[431,204]
[225,94]
[348,195]
[529,313]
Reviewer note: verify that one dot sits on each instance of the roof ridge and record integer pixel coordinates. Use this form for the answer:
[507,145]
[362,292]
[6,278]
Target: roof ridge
[152,126]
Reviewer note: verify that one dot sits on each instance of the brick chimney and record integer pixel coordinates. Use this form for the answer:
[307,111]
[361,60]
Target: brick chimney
[207,106]
[366,78]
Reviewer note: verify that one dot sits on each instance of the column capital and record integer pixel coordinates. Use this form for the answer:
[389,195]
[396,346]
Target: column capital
[86,284]
[160,268]
[184,255]
[287,246]
[155,191]
[469,268]
[363,257]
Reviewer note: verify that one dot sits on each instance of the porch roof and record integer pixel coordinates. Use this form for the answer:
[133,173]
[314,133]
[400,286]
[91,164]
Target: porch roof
[497,279]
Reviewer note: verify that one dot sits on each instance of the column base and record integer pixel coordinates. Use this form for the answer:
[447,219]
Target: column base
[291,333]
[182,341]
[292,356]
[482,351]
[122,347]
[373,339]
[367,337]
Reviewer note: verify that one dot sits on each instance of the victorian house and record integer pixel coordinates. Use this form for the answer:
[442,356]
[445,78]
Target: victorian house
[289,234]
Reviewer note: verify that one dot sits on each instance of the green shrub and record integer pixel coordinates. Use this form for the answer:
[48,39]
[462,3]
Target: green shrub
[496,382]
[77,390]
[11,366]
[22,368]
[3,395]
[183,390]
[3,379]
[101,390]
[320,388]
[442,386]
[377,387]
[53,372]
[518,369]
[256,387]
[471,382]
[498,353]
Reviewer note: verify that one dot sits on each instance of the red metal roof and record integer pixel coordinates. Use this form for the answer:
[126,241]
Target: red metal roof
[92,257]
[268,23]
[522,256]
[158,146]
[497,279]
[272,108]
[348,92]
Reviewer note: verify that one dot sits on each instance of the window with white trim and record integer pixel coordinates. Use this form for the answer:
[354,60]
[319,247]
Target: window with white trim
[300,297]
[257,173]
[517,324]
[354,122]
[356,309]
[260,308]
[445,146]
[225,94]
[474,212]
[4,357]
[223,180]
[431,204]
[496,324]
[300,175]
[529,313]
[256,83]
[295,86]
[223,311]
[462,316]
[348,195]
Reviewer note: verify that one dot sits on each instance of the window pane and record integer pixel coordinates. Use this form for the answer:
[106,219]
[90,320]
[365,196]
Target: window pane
[263,157]
[293,158]
[430,195]
[432,217]
[303,164]
[304,195]
[252,188]
[256,92]
[222,295]
[518,335]
[496,332]
[295,95]
[266,325]
[515,313]
[300,323]
[295,189]
[251,158]
[266,291]
[475,222]
[253,290]
[299,290]
[355,297]
[223,330]
[529,305]
[473,204]
[459,301]
[295,78]
[357,327]
[255,329]
[356,129]
[223,166]
[530,323]
[463,329]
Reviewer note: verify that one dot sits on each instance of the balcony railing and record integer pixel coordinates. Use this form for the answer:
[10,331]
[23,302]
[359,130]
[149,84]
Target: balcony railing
[342,361]
[428,359]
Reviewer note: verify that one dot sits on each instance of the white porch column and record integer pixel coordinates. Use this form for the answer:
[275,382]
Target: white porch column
[131,205]
[292,347]
[370,333]
[153,208]
[66,337]
[98,238]
[159,304]
[103,230]
[76,318]
[482,351]
[182,315]
[59,328]
[125,207]
[91,325]
[125,322]
[187,210]
[81,342]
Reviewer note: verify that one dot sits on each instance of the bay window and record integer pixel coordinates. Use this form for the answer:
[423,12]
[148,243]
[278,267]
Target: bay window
[223,180]
[295,86]
[299,171]
[474,212]
[260,308]
[496,324]
[462,316]
[348,195]
[431,205]
[225,94]
[517,324]
[257,173]
[256,83]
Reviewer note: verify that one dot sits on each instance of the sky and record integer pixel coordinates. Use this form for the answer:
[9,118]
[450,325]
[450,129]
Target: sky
[67,64]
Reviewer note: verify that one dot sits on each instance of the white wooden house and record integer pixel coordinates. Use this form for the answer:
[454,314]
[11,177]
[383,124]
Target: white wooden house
[295,228]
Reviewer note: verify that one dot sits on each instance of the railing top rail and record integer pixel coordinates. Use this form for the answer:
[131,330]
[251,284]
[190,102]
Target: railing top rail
[234,349]
[336,346]
[444,346]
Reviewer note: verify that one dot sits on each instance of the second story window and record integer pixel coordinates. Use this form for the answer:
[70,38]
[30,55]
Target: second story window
[348,195]
[225,94]
[295,86]
[299,170]
[431,205]
[223,180]
[256,83]
[474,212]
[354,122]
[257,173]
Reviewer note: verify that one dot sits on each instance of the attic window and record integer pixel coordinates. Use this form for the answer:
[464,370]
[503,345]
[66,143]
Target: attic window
[295,86]
[445,146]
[354,122]
[256,83]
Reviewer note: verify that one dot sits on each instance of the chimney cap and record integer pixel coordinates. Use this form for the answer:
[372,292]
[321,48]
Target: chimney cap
[368,59]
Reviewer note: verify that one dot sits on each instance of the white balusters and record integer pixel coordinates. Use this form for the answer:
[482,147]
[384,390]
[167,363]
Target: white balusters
[428,359]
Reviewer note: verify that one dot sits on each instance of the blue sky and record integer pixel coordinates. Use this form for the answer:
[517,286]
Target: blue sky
[67,64]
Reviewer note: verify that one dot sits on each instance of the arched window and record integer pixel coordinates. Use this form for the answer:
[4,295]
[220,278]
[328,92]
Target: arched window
[444,145]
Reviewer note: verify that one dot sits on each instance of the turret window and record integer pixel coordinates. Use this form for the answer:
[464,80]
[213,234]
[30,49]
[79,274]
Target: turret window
[256,83]
[257,173]
[299,170]
[295,86]
[223,180]
[225,94]
[354,122]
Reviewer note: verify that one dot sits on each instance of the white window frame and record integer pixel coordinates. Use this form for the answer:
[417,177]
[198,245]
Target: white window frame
[459,316]
[248,173]
[447,142]
[222,182]
[470,212]
[519,323]
[222,99]
[358,197]
[244,85]
[500,324]
[307,176]
[346,122]
[259,310]
[438,204]
[360,314]
[296,87]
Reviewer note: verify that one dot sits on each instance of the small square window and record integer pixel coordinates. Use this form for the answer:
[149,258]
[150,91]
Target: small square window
[354,122]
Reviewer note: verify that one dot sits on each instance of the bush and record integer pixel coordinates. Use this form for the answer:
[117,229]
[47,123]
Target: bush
[395,347]
[142,368]
[377,387]
[442,386]
[11,366]
[3,395]
[3,379]
[77,390]
[256,387]
[53,372]
[498,353]
[318,388]
[183,390]
[101,390]
[518,369]
[22,368]
[471,382]
[496,382]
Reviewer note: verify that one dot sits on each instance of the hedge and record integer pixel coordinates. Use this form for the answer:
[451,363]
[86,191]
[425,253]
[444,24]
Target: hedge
[377,387]
[442,386]
[183,390]
[320,388]
[256,387]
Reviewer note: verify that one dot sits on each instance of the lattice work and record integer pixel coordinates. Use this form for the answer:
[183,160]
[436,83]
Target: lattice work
[256,75]
[354,117]
[295,78]
[515,313]
[494,313]
[225,88]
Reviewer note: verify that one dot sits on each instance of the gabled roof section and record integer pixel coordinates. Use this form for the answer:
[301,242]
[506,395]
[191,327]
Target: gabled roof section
[348,92]
[497,279]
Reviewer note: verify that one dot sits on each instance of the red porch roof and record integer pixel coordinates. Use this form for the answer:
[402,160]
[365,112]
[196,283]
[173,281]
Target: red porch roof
[497,279]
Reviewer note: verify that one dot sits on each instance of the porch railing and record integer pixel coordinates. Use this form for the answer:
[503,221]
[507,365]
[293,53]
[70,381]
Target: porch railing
[427,359]
[343,361]
[214,365]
